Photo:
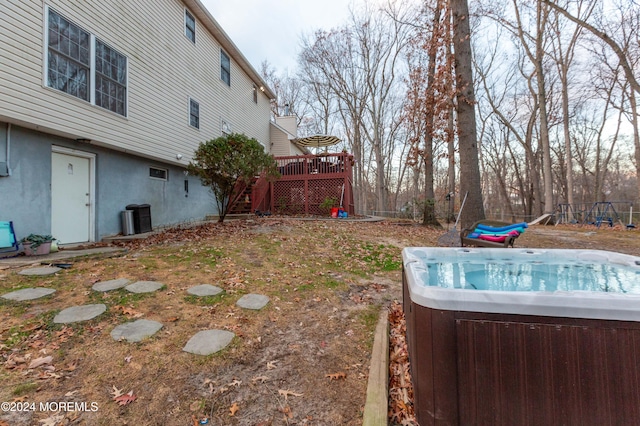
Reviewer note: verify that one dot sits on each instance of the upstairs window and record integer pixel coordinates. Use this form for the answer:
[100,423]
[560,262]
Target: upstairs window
[194,113]
[71,66]
[225,68]
[69,59]
[255,94]
[111,79]
[189,26]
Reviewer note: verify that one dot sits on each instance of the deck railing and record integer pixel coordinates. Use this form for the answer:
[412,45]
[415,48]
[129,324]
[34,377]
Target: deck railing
[307,181]
[322,164]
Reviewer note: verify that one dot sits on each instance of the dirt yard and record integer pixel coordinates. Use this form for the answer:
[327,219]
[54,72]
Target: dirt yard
[301,360]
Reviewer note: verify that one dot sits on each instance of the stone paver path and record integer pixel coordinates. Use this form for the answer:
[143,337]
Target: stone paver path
[110,285]
[79,313]
[205,290]
[253,301]
[45,270]
[136,331]
[208,342]
[28,294]
[144,287]
[204,342]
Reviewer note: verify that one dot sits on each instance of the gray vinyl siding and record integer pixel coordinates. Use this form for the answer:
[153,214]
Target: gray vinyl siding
[164,69]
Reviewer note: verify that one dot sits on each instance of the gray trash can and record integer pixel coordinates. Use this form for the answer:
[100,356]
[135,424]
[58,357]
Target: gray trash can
[127,222]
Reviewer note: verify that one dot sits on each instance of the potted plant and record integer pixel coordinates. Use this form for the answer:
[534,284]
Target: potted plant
[35,244]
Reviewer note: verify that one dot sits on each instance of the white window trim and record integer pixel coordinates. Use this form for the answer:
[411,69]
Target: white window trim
[195,26]
[92,66]
[189,113]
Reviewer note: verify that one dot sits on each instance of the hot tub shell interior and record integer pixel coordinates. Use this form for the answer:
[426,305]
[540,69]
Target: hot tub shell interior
[493,368]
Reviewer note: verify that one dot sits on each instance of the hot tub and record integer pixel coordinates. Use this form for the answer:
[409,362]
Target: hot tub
[523,336]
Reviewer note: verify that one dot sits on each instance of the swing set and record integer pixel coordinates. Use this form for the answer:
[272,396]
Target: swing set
[597,214]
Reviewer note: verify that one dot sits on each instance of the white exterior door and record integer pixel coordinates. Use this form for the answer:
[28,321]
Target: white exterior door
[71,196]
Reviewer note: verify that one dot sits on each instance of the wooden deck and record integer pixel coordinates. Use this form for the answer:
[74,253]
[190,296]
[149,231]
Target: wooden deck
[306,182]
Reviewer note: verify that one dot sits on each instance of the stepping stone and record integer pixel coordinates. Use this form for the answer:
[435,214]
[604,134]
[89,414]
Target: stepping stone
[253,301]
[28,294]
[144,287]
[110,285]
[208,342]
[136,331]
[45,270]
[79,313]
[205,290]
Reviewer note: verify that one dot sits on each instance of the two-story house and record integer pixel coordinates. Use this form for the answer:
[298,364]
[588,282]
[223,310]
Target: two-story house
[102,104]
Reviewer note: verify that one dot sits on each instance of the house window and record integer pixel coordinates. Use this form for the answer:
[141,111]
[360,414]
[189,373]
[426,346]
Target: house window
[189,26]
[71,66]
[225,68]
[194,113]
[111,79]
[255,94]
[157,173]
[69,57]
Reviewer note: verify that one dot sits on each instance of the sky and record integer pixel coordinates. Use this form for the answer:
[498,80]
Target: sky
[271,29]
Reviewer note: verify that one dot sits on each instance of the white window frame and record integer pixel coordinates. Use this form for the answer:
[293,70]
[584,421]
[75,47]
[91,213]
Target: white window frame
[190,114]
[186,26]
[92,65]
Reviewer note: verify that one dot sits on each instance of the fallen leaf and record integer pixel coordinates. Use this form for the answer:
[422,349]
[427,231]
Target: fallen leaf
[260,379]
[271,365]
[287,412]
[52,420]
[235,383]
[129,311]
[116,392]
[128,358]
[20,399]
[40,361]
[173,319]
[336,376]
[287,393]
[234,409]
[71,393]
[126,398]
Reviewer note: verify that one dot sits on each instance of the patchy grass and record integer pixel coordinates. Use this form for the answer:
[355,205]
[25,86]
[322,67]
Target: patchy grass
[327,282]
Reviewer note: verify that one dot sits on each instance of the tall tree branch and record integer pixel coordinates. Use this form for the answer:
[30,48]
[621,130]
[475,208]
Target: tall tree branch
[624,63]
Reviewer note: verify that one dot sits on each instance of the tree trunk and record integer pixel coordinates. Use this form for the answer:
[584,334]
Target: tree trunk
[429,215]
[467,137]
[544,124]
[636,132]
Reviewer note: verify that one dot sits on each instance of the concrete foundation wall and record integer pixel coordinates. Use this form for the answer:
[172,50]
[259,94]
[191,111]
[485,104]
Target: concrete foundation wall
[120,179]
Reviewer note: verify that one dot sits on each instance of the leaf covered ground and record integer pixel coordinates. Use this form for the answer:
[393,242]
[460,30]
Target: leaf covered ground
[301,360]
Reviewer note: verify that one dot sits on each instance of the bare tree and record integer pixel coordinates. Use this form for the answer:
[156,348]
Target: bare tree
[626,49]
[359,63]
[564,56]
[470,183]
